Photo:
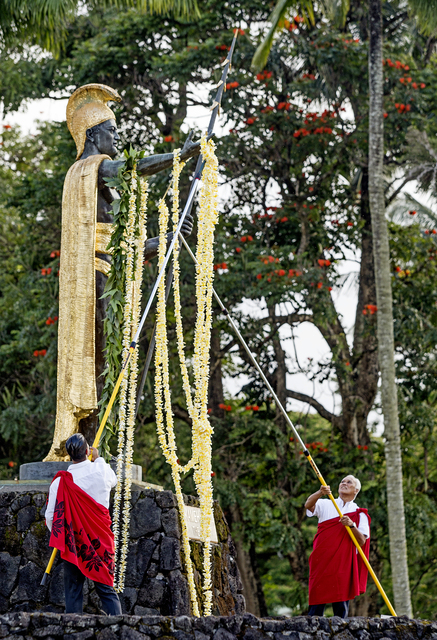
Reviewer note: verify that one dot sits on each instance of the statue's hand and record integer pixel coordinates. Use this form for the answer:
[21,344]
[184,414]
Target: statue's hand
[187,226]
[191,148]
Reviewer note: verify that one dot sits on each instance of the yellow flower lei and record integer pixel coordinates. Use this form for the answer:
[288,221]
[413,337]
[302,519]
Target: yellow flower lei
[135,243]
[201,429]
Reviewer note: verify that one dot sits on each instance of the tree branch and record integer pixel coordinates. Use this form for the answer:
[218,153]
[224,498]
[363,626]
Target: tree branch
[303,397]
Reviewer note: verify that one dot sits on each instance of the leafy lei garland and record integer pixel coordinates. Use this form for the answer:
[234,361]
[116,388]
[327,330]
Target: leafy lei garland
[115,290]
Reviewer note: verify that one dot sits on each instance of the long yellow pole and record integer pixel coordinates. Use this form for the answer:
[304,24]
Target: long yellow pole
[95,443]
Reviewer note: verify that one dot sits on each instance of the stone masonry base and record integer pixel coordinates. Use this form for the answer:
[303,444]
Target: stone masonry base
[54,626]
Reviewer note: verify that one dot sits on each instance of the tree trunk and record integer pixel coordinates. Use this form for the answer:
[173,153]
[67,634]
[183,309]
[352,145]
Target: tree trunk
[252,588]
[395,498]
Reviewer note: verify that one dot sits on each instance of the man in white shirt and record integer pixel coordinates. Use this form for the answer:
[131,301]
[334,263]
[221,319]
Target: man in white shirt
[96,479]
[337,574]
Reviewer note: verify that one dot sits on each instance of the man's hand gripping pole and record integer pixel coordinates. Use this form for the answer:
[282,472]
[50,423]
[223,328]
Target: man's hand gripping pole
[187,209]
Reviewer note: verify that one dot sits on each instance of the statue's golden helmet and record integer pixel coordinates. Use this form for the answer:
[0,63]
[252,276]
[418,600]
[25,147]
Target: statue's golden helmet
[86,108]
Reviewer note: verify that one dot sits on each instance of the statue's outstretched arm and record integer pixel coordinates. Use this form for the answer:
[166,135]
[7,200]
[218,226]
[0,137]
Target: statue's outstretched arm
[152,164]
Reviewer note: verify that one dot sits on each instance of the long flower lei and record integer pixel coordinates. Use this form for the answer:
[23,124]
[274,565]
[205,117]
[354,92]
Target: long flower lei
[131,243]
[202,430]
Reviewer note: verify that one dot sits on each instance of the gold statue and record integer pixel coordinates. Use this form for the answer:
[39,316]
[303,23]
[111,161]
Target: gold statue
[85,263]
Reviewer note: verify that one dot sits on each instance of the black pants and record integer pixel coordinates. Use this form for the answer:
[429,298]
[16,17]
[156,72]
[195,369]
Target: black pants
[73,585]
[340,609]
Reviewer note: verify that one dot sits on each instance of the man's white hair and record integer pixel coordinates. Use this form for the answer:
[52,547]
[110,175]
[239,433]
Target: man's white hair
[357,483]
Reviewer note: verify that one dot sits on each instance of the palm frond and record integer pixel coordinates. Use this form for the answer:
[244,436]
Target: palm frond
[276,20]
[408,210]
[336,11]
[426,14]
[421,160]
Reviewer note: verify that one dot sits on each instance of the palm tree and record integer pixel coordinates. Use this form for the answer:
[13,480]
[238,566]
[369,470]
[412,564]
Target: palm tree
[44,22]
[381,251]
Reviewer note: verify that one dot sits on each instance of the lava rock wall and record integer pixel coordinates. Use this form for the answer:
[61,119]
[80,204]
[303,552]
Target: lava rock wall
[155,580]
[26,626]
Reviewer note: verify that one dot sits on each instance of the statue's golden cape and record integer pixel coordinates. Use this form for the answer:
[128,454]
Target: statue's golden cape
[76,393]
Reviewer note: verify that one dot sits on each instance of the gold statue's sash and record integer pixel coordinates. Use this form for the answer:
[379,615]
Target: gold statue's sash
[76,392]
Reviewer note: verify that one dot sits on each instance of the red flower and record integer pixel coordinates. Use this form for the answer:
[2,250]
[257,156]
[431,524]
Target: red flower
[255,407]
[224,265]
[319,285]
[243,239]
[350,224]
[385,115]
[238,249]
[168,139]
[11,464]
[250,120]
[248,408]
[412,213]
[281,272]
[209,411]
[422,85]
[329,288]
[249,238]
[7,126]
[49,321]
[43,272]
[234,85]
[365,447]
[426,231]
[359,446]
[348,364]
[229,408]
[259,276]
[321,263]
[36,354]
[284,219]
[222,406]
[398,269]
[43,352]
[291,439]
[212,474]
[221,47]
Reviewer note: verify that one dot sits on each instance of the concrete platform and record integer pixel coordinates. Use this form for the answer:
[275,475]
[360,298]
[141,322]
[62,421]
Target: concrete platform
[7,486]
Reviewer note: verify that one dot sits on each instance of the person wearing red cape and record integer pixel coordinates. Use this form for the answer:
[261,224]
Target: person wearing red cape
[337,572]
[78,517]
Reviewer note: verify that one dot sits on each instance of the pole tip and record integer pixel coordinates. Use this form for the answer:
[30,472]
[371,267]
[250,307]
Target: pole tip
[44,579]
[306,453]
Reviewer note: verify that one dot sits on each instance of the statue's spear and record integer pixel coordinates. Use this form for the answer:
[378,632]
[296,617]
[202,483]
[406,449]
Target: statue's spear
[193,190]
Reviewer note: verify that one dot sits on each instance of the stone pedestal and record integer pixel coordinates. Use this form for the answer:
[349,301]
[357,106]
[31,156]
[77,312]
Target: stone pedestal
[47,470]
[155,582]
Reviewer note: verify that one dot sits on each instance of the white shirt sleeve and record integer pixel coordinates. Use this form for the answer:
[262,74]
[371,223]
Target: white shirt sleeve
[363,527]
[107,471]
[52,503]
[318,509]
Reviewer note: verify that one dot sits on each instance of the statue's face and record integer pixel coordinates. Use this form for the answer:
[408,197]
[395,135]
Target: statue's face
[105,137]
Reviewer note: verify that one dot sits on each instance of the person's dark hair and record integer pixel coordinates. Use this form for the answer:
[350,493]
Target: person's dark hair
[76,446]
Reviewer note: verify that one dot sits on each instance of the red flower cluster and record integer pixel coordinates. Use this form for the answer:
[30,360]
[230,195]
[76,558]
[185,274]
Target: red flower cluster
[212,474]
[250,120]
[365,447]
[252,407]
[283,105]
[396,64]
[222,47]
[267,109]
[46,272]
[225,407]
[55,254]
[409,80]
[284,219]
[246,239]
[350,224]
[50,320]
[268,259]
[308,76]
[402,107]
[41,352]
[301,132]
[370,308]
[11,464]
[293,272]
[316,446]
[324,263]
[412,213]
[264,75]
[238,249]
[239,32]
[232,85]
[7,126]
[223,265]
[168,139]
[319,285]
